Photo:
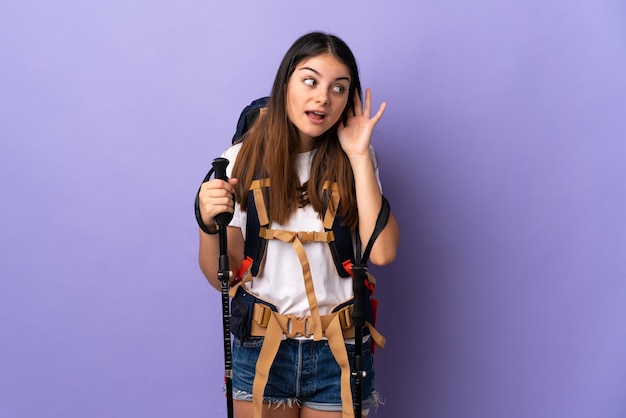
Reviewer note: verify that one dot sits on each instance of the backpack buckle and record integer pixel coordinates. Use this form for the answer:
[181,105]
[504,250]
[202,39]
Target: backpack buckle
[297,326]
[306,236]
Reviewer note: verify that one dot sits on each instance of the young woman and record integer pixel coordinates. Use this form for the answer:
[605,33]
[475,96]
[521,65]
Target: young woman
[316,131]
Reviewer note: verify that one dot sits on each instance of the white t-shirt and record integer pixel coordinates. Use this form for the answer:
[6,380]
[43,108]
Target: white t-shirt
[280,280]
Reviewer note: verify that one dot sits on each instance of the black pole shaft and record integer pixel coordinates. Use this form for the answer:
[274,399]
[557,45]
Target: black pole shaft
[358,370]
[358,318]
[228,358]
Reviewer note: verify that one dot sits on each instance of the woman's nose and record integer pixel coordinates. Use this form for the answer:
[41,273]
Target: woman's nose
[322,96]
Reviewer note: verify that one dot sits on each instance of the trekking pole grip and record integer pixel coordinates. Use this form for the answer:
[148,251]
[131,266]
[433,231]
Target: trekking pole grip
[219,167]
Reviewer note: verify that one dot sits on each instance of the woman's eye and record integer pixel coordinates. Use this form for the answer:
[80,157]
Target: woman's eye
[339,89]
[309,81]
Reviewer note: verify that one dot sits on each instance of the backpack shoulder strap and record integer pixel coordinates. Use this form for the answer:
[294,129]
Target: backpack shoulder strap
[341,247]
[257,218]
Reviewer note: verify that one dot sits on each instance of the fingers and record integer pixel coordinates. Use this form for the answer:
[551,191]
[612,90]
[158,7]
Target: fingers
[368,102]
[358,107]
[380,112]
[366,109]
[217,186]
[216,196]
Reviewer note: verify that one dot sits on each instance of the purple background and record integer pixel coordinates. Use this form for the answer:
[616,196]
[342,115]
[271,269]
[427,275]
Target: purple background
[503,153]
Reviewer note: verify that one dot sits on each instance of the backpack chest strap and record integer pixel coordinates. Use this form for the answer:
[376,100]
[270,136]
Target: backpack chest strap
[302,236]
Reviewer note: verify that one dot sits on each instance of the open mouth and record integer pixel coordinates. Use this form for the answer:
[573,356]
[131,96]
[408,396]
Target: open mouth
[316,116]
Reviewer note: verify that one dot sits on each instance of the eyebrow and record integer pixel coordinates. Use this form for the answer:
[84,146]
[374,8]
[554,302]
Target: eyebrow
[318,73]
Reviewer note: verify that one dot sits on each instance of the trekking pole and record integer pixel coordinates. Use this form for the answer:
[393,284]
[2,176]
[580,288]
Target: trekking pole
[359,276]
[223,274]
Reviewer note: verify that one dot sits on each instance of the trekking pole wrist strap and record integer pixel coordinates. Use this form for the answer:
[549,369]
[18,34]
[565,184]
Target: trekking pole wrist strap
[214,230]
[381,222]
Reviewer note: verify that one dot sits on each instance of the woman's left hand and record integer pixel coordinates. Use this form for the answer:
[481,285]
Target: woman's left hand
[356,135]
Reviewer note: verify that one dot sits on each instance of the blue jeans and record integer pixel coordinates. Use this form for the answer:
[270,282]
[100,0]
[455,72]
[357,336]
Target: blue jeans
[304,372]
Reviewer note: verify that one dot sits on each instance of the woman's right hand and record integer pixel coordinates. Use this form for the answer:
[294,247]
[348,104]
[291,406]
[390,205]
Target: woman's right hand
[215,197]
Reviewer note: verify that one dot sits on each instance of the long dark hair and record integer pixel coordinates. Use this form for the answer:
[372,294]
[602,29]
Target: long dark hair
[270,148]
